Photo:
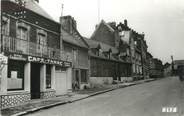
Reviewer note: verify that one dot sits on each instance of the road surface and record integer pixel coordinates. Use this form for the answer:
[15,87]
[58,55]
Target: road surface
[148,99]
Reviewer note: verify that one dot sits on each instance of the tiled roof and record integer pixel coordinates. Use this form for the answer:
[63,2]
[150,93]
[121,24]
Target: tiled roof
[34,6]
[104,23]
[104,47]
[75,40]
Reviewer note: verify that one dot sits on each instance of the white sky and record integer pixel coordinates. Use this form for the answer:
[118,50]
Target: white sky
[162,21]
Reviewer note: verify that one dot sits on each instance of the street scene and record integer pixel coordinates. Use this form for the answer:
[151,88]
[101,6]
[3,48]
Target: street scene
[91,58]
[146,99]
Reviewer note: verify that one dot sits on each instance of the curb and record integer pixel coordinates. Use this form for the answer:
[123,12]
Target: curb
[71,101]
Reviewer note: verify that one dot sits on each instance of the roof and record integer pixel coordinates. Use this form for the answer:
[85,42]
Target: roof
[69,38]
[104,47]
[179,62]
[103,22]
[35,7]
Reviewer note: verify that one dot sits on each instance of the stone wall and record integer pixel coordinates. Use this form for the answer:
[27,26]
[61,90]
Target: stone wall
[14,99]
[48,94]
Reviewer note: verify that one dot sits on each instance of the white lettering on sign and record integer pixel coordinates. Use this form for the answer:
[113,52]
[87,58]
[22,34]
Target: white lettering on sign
[169,109]
[48,61]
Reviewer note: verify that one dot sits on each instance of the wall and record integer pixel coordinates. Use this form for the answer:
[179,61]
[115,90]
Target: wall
[102,68]
[82,55]
[97,81]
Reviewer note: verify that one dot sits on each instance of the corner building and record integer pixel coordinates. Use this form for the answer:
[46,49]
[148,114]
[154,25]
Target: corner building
[36,67]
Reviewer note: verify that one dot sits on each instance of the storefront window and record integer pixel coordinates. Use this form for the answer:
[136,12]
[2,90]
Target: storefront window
[83,76]
[48,76]
[15,75]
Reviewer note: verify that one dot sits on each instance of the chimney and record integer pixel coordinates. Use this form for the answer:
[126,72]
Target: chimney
[125,23]
[68,23]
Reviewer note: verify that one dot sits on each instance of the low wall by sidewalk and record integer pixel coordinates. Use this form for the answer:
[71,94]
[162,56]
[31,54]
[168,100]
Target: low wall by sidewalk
[126,79]
[95,81]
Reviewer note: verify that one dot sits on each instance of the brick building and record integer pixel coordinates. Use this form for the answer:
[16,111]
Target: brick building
[107,62]
[35,64]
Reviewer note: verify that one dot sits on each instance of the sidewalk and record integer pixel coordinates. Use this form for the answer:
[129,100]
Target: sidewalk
[36,105]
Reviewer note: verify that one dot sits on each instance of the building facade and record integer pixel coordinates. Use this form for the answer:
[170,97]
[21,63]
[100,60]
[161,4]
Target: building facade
[156,68]
[107,62]
[35,66]
[137,49]
[74,44]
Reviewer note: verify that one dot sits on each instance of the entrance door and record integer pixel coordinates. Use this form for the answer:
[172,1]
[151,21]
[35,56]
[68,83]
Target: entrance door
[35,81]
[61,83]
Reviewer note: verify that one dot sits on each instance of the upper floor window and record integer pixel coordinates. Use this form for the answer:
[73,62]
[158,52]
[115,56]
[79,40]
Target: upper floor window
[5,25]
[22,31]
[75,55]
[41,37]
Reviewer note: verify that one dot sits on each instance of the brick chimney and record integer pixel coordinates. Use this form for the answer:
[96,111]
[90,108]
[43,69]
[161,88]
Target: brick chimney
[125,22]
[68,23]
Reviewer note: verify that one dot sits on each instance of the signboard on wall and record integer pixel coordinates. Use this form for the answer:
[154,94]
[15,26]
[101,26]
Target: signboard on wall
[36,59]
[49,61]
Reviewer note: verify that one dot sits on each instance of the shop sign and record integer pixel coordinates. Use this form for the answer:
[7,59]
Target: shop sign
[48,61]
[17,57]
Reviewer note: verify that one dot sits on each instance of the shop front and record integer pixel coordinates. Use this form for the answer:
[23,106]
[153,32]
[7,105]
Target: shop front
[30,77]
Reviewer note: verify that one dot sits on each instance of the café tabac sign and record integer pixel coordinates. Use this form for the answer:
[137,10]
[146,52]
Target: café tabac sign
[39,60]
[48,61]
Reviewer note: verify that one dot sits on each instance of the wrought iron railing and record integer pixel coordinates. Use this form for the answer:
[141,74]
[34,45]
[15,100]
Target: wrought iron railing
[15,45]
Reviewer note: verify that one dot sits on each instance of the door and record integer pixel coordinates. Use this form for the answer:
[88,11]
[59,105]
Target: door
[35,81]
[61,83]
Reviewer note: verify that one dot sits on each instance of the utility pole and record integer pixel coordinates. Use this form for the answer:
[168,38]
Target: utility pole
[172,64]
[98,11]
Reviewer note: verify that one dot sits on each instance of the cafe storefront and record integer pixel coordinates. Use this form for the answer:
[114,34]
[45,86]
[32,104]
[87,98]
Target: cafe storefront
[31,77]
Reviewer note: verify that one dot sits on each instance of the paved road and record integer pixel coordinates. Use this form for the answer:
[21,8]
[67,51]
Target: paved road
[140,100]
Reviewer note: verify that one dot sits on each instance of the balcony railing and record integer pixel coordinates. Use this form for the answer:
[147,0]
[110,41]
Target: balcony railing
[14,45]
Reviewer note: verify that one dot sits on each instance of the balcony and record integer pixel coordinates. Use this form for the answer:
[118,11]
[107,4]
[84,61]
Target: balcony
[14,45]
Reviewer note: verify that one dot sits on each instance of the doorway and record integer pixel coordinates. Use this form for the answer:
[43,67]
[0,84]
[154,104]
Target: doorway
[35,81]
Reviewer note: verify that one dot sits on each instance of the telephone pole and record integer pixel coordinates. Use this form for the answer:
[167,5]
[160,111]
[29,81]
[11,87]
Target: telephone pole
[98,11]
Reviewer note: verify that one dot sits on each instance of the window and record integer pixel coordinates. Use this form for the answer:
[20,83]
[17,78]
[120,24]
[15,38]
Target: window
[15,75]
[48,76]
[41,42]
[5,25]
[22,38]
[75,55]
[22,33]
[83,75]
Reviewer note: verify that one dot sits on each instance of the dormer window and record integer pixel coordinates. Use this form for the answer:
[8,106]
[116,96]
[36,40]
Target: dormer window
[135,42]
[119,28]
